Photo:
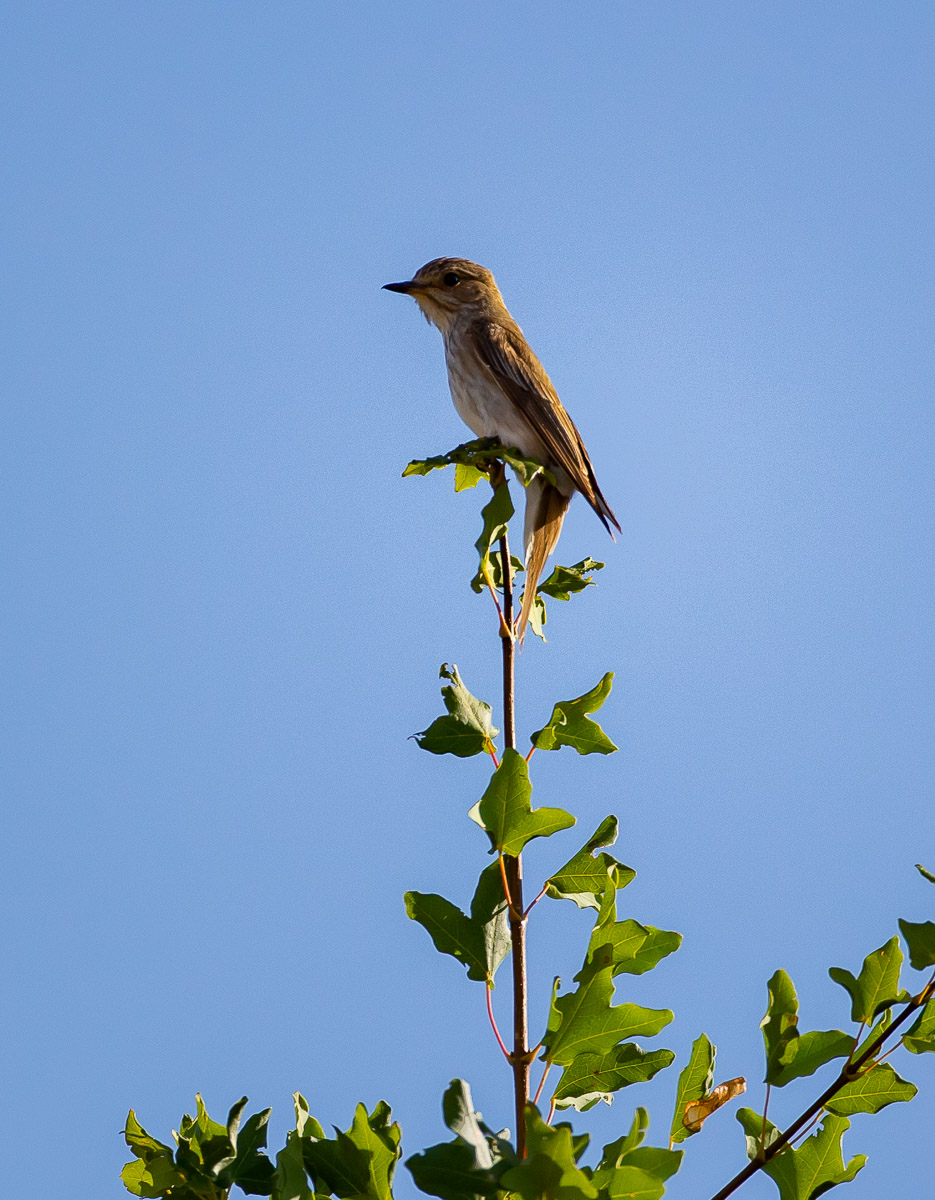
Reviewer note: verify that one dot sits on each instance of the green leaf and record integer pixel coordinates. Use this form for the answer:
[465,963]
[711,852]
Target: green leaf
[695,1082]
[809,1170]
[877,986]
[467,476]
[590,1078]
[550,1170]
[495,565]
[496,515]
[469,1166]
[467,729]
[505,812]
[634,948]
[569,724]
[290,1181]
[586,1021]
[925,874]
[584,878]
[629,1183]
[564,582]
[538,618]
[921,1037]
[920,938]
[251,1170]
[154,1178]
[613,1151]
[870,1092]
[480,941]
[479,455]
[804,1055]
[753,1124]
[779,1025]
[359,1163]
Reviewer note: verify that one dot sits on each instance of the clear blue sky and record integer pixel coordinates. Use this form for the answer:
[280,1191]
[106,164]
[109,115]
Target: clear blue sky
[225,610]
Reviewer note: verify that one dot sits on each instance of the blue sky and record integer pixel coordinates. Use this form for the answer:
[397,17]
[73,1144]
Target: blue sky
[226,610]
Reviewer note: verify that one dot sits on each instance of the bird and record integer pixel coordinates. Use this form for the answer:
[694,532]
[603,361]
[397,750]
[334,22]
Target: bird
[501,390]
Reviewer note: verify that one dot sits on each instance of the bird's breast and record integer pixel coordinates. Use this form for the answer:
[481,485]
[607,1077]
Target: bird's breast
[481,404]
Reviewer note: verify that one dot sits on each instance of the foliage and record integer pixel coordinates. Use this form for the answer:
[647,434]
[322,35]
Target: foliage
[590,1039]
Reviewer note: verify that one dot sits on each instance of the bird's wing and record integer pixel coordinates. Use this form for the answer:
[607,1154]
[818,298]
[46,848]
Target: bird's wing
[517,371]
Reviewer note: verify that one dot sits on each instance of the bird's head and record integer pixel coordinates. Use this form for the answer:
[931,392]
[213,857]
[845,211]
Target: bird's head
[446,287]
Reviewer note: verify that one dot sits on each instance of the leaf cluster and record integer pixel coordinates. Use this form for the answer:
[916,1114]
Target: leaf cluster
[209,1159]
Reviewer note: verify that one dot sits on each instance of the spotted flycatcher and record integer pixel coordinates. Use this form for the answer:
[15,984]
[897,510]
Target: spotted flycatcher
[501,390]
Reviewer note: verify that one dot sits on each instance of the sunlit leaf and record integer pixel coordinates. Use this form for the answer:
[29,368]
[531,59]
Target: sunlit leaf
[809,1170]
[590,1078]
[586,1021]
[466,729]
[870,1092]
[565,581]
[925,874]
[570,725]
[804,1055]
[359,1164]
[585,878]
[550,1170]
[506,813]
[479,455]
[877,986]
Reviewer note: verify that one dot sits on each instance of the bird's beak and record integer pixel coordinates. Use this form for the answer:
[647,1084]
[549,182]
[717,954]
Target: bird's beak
[405,288]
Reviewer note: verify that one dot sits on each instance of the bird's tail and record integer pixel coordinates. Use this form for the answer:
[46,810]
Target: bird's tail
[545,512]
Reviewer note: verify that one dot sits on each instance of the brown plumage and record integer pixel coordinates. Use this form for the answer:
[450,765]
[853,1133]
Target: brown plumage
[501,390]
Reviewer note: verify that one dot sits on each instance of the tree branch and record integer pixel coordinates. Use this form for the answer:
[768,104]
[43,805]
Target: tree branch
[849,1072]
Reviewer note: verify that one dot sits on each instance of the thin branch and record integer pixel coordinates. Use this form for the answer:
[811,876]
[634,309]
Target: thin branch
[493,1023]
[506,887]
[513,867]
[545,1073]
[769,1088]
[537,899]
[849,1072]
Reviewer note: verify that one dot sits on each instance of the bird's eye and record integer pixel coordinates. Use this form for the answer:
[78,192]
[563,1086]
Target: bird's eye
[452,280]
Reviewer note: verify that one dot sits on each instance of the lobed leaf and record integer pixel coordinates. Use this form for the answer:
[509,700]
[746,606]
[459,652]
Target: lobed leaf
[779,1025]
[877,986]
[359,1164]
[586,1021]
[477,457]
[870,1092]
[920,938]
[480,941]
[564,582]
[570,725]
[809,1170]
[921,1037]
[628,1168]
[612,1153]
[505,811]
[584,879]
[469,1166]
[804,1055]
[466,730]
[591,1078]
[549,1170]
